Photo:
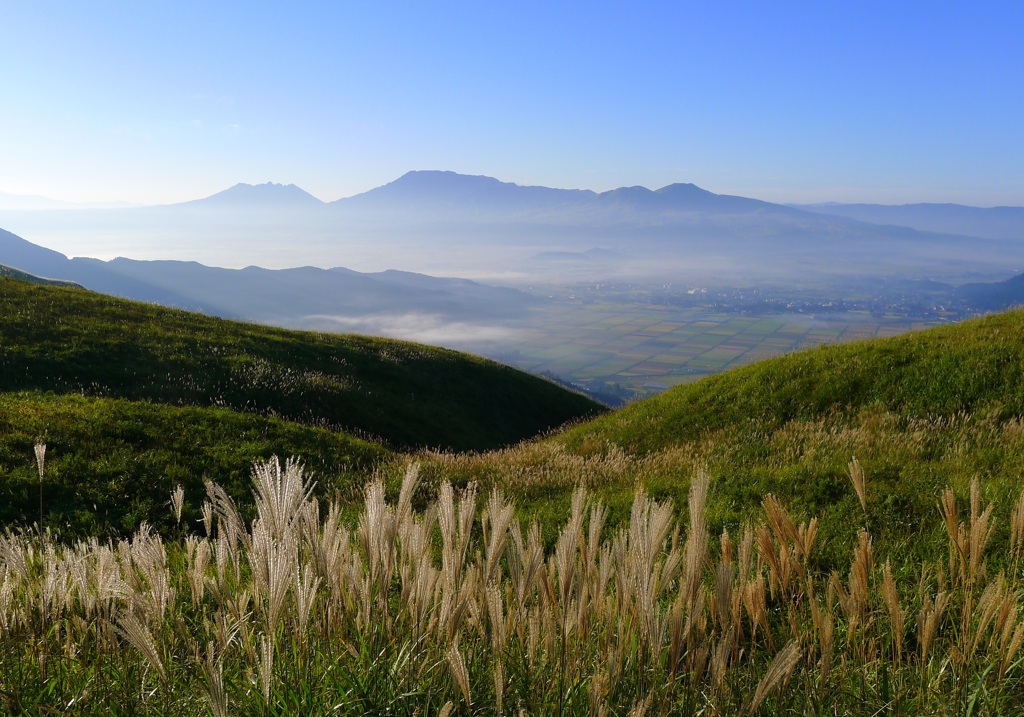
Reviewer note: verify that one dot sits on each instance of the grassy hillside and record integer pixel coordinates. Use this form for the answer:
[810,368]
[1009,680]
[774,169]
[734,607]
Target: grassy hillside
[6,271]
[887,595]
[406,395]
[919,412]
[111,464]
[946,371]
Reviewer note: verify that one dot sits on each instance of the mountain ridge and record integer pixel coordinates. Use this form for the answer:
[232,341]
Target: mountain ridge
[1000,223]
[269,295]
[440,221]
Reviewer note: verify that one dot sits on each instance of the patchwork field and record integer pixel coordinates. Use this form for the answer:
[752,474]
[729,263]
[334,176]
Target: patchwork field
[637,350]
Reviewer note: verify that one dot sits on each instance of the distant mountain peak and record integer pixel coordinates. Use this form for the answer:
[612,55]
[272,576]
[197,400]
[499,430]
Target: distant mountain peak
[442,188]
[268,193]
[681,189]
[443,181]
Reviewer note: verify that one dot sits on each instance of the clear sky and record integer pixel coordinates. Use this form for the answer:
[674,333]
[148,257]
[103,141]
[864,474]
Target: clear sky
[787,101]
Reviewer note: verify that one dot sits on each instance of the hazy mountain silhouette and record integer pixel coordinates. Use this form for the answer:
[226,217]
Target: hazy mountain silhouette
[30,202]
[448,194]
[34,202]
[996,296]
[990,223]
[451,193]
[284,296]
[258,196]
[444,222]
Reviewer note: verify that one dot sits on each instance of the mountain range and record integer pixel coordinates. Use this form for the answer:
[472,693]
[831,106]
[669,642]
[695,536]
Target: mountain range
[303,296]
[990,223]
[446,223]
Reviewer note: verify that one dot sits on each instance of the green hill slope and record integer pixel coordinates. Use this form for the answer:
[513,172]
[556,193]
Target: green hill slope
[12,273]
[406,395]
[919,412]
[111,464]
[944,371]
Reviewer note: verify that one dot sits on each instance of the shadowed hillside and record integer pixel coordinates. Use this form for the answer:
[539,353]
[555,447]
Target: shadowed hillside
[406,395]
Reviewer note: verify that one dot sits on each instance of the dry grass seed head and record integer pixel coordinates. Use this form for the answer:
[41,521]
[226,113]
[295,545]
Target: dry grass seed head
[216,694]
[460,675]
[779,670]
[266,666]
[177,502]
[280,495]
[138,635]
[860,574]
[1011,649]
[928,621]
[696,547]
[859,483]
[1017,533]
[981,530]
[892,603]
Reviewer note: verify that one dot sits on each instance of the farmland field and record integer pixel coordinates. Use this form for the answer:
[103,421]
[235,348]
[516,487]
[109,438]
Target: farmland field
[640,349]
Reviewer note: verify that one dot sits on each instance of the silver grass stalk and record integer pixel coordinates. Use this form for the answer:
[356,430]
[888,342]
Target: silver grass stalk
[860,573]
[266,667]
[6,602]
[496,520]
[178,502]
[1011,649]
[1017,535]
[409,482]
[459,673]
[197,553]
[376,533]
[279,494]
[306,585]
[696,547]
[778,672]
[138,636]
[987,608]
[981,529]
[208,518]
[892,603]
[598,515]
[40,449]
[928,621]
[229,522]
[859,483]
[640,708]
[216,695]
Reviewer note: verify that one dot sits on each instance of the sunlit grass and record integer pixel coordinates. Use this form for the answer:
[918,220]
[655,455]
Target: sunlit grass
[458,608]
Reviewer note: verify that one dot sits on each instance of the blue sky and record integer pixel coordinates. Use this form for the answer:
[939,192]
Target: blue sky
[788,101]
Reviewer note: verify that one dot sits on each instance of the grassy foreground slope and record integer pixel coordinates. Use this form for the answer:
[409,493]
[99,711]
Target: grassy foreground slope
[946,371]
[919,412]
[111,464]
[407,395]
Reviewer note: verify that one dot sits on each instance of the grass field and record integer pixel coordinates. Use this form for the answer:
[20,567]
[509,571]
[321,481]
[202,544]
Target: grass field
[840,531]
[641,349]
